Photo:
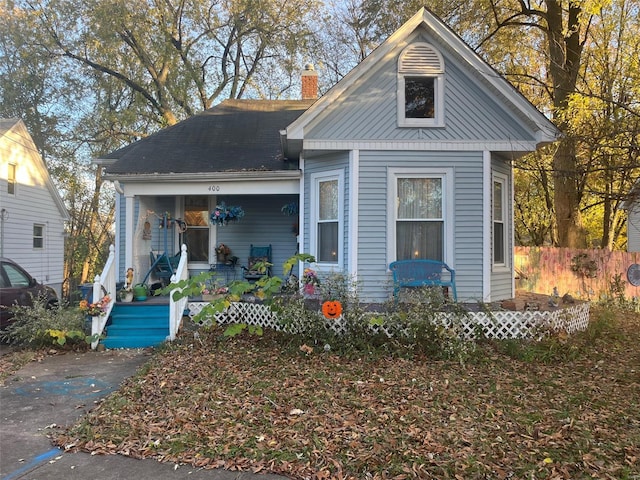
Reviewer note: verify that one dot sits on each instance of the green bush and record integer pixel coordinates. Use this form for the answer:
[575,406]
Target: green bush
[40,326]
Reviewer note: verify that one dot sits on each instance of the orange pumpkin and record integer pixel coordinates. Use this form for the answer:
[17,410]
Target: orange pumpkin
[332,309]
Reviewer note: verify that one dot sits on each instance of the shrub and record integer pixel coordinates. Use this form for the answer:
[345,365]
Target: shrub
[39,326]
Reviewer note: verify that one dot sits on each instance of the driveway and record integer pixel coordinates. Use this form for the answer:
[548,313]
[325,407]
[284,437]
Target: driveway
[56,392]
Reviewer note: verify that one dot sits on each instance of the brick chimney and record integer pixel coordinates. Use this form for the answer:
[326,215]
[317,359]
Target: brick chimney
[309,82]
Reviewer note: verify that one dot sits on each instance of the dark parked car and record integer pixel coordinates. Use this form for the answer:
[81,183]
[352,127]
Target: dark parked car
[18,287]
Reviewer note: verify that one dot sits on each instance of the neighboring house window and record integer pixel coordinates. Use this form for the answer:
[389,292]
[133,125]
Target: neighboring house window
[11,179]
[499,220]
[196,237]
[420,87]
[327,214]
[38,236]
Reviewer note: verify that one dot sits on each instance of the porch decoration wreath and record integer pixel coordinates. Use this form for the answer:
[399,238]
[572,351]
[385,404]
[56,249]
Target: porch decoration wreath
[223,214]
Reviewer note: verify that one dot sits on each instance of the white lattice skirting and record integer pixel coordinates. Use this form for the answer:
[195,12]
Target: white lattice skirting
[495,325]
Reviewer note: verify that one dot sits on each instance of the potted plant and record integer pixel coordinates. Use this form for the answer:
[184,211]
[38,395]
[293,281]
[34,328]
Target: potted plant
[223,214]
[222,253]
[310,282]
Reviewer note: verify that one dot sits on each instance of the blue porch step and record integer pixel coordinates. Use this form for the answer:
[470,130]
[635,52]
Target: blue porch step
[137,325]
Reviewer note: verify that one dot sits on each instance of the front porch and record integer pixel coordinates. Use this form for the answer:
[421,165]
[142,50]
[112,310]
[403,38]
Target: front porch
[491,321]
[263,224]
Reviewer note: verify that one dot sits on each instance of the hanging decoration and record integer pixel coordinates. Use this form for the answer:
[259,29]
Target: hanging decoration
[223,214]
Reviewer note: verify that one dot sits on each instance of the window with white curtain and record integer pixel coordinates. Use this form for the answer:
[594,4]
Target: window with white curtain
[420,229]
[326,210]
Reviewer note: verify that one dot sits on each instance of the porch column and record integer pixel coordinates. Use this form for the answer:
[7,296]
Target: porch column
[129,230]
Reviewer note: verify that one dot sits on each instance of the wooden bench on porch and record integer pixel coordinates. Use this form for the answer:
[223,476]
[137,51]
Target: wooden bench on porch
[422,273]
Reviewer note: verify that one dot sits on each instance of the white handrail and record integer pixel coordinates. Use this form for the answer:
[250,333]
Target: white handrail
[176,307]
[105,284]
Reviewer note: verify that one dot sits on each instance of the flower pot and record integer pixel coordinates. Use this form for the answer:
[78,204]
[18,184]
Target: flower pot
[126,296]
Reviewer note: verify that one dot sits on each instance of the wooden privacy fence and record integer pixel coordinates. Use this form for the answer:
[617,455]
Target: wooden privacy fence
[539,269]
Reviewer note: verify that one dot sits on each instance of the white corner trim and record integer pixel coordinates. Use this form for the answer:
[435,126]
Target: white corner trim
[353,241]
[486,226]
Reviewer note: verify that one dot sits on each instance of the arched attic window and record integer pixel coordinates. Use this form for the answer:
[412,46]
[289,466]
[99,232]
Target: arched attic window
[420,87]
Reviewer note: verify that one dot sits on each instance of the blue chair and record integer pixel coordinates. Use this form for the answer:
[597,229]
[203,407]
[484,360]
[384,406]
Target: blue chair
[259,263]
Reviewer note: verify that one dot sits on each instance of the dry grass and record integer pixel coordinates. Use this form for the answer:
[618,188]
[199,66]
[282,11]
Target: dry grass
[564,409]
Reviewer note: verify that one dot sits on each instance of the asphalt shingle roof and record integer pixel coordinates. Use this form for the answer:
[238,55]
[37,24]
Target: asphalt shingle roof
[236,135]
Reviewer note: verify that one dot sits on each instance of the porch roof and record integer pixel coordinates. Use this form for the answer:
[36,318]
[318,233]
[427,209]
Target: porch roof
[234,136]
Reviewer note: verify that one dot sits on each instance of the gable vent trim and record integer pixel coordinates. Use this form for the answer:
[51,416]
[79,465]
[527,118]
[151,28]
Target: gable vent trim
[420,59]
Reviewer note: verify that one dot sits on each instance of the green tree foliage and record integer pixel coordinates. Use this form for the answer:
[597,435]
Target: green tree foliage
[171,59]
[577,62]
[89,76]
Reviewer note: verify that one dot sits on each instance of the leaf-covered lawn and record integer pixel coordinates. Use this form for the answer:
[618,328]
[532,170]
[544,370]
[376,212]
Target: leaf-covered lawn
[256,403]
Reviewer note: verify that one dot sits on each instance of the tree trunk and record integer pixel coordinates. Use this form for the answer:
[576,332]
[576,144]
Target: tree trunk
[565,51]
[566,197]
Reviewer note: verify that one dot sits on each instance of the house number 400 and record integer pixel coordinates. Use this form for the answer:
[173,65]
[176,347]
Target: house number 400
[214,188]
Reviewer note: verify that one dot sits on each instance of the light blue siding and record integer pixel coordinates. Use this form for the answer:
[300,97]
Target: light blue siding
[329,162]
[373,277]
[263,224]
[368,111]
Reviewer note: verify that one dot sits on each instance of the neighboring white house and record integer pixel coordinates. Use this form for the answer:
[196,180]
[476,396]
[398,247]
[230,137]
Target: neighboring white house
[632,206]
[32,214]
[410,155]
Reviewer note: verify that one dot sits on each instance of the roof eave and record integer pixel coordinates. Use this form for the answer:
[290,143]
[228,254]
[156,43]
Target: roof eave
[228,176]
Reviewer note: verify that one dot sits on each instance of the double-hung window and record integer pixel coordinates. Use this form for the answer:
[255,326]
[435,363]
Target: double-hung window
[38,236]
[499,219]
[419,221]
[420,92]
[327,216]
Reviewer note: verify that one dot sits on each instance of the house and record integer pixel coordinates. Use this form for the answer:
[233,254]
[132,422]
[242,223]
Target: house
[409,156]
[632,206]
[32,213]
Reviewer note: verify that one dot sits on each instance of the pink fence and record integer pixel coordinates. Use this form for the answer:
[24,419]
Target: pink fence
[539,269]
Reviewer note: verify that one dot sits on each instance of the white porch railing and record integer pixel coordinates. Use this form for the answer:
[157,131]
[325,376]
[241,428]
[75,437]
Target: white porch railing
[176,307]
[104,284]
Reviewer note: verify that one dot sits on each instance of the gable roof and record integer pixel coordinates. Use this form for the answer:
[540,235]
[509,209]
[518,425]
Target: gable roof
[16,126]
[234,136]
[545,130]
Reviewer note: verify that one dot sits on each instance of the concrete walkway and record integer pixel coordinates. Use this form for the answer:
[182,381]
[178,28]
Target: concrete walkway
[55,393]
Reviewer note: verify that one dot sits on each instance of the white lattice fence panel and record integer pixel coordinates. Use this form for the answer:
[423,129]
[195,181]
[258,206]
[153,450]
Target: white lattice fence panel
[496,325]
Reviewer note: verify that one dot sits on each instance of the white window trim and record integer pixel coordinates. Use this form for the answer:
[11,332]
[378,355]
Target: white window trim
[446,174]
[12,181]
[420,60]
[500,178]
[44,232]
[438,120]
[181,207]
[315,180]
